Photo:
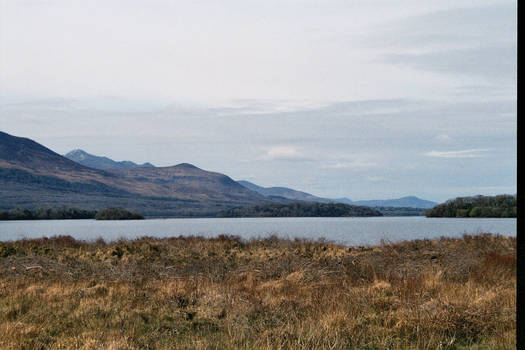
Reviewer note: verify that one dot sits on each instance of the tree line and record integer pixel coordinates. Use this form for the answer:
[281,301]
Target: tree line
[500,206]
[45,213]
[300,210]
[66,213]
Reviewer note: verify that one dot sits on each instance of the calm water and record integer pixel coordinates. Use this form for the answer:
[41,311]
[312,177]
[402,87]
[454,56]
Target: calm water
[351,231]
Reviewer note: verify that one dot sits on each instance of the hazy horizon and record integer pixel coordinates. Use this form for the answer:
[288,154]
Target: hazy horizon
[366,100]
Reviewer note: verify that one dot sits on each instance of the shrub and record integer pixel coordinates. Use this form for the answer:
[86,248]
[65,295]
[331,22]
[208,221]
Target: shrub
[112,213]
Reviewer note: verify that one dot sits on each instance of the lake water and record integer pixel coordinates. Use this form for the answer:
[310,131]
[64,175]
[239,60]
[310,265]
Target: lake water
[349,231]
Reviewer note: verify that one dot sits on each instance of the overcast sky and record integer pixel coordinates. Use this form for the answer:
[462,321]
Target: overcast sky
[362,99]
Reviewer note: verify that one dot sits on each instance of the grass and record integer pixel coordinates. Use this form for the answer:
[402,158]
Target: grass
[225,293]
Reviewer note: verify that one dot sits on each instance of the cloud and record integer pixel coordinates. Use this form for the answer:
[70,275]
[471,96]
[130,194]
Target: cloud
[449,28]
[283,153]
[476,42]
[357,164]
[467,153]
[374,178]
[443,137]
[494,63]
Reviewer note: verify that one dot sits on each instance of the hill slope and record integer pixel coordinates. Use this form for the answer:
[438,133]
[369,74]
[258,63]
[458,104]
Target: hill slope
[284,192]
[294,195]
[92,161]
[32,175]
[410,201]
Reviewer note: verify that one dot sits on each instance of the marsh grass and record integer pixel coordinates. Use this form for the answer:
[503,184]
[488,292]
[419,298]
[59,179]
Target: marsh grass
[225,293]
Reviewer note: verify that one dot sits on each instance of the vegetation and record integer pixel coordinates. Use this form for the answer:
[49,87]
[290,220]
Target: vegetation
[302,209]
[501,206]
[225,293]
[113,213]
[401,211]
[45,213]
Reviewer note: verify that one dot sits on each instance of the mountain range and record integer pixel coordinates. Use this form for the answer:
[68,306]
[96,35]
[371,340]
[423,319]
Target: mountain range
[284,192]
[291,194]
[32,175]
[92,161]
[403,202]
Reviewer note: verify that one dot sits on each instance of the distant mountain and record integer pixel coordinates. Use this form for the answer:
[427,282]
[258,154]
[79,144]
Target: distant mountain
[92,161]
[410,201]
[32,175]
[294,195]
[284,192]
[343,200]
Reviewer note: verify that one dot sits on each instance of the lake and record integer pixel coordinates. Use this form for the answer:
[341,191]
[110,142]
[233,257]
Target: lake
[348,231]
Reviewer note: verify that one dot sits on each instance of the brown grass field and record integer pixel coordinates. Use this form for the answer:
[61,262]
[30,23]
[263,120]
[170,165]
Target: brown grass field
[224,293]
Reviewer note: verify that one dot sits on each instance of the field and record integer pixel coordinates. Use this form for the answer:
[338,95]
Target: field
[225,293]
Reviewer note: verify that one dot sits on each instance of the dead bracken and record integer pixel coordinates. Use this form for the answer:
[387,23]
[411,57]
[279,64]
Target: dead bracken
[226,293]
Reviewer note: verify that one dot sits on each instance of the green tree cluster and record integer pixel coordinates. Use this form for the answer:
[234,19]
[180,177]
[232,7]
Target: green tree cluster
[500,206]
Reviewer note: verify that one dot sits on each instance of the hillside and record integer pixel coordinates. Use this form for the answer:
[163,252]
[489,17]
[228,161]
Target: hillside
[32,175]
[92,161]
[294,195]
[299,210]
[478,206]
[284,192]
[403,202]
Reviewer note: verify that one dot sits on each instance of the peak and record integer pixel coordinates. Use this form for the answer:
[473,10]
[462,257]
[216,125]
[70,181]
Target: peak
[75,152]
[186,165]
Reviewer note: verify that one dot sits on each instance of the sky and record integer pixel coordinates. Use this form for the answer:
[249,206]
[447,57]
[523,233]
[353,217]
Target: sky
[358,99]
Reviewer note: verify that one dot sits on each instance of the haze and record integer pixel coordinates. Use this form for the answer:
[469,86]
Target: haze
[362,99]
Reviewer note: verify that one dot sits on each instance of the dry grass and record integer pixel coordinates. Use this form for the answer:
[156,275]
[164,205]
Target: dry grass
[196,293]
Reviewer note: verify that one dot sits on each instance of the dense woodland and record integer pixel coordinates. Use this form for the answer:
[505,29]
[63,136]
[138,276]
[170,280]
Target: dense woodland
[501,206]
[117,214]
[45,213]
[64,213]
[300,210]
[401,211]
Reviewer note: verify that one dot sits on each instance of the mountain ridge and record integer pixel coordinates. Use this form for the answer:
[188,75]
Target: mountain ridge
[284,192]
[291,194]
[32,175]
[100,162]
[407,201]
[279,192]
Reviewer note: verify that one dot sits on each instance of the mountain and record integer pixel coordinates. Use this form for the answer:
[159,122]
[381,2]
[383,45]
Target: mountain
[409,201]
[92,161]
[32,175]
[294,195]
[343,200]
[284,192]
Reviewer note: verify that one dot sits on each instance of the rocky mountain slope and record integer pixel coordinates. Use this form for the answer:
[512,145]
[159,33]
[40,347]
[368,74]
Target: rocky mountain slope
[92,161]
[32,175]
